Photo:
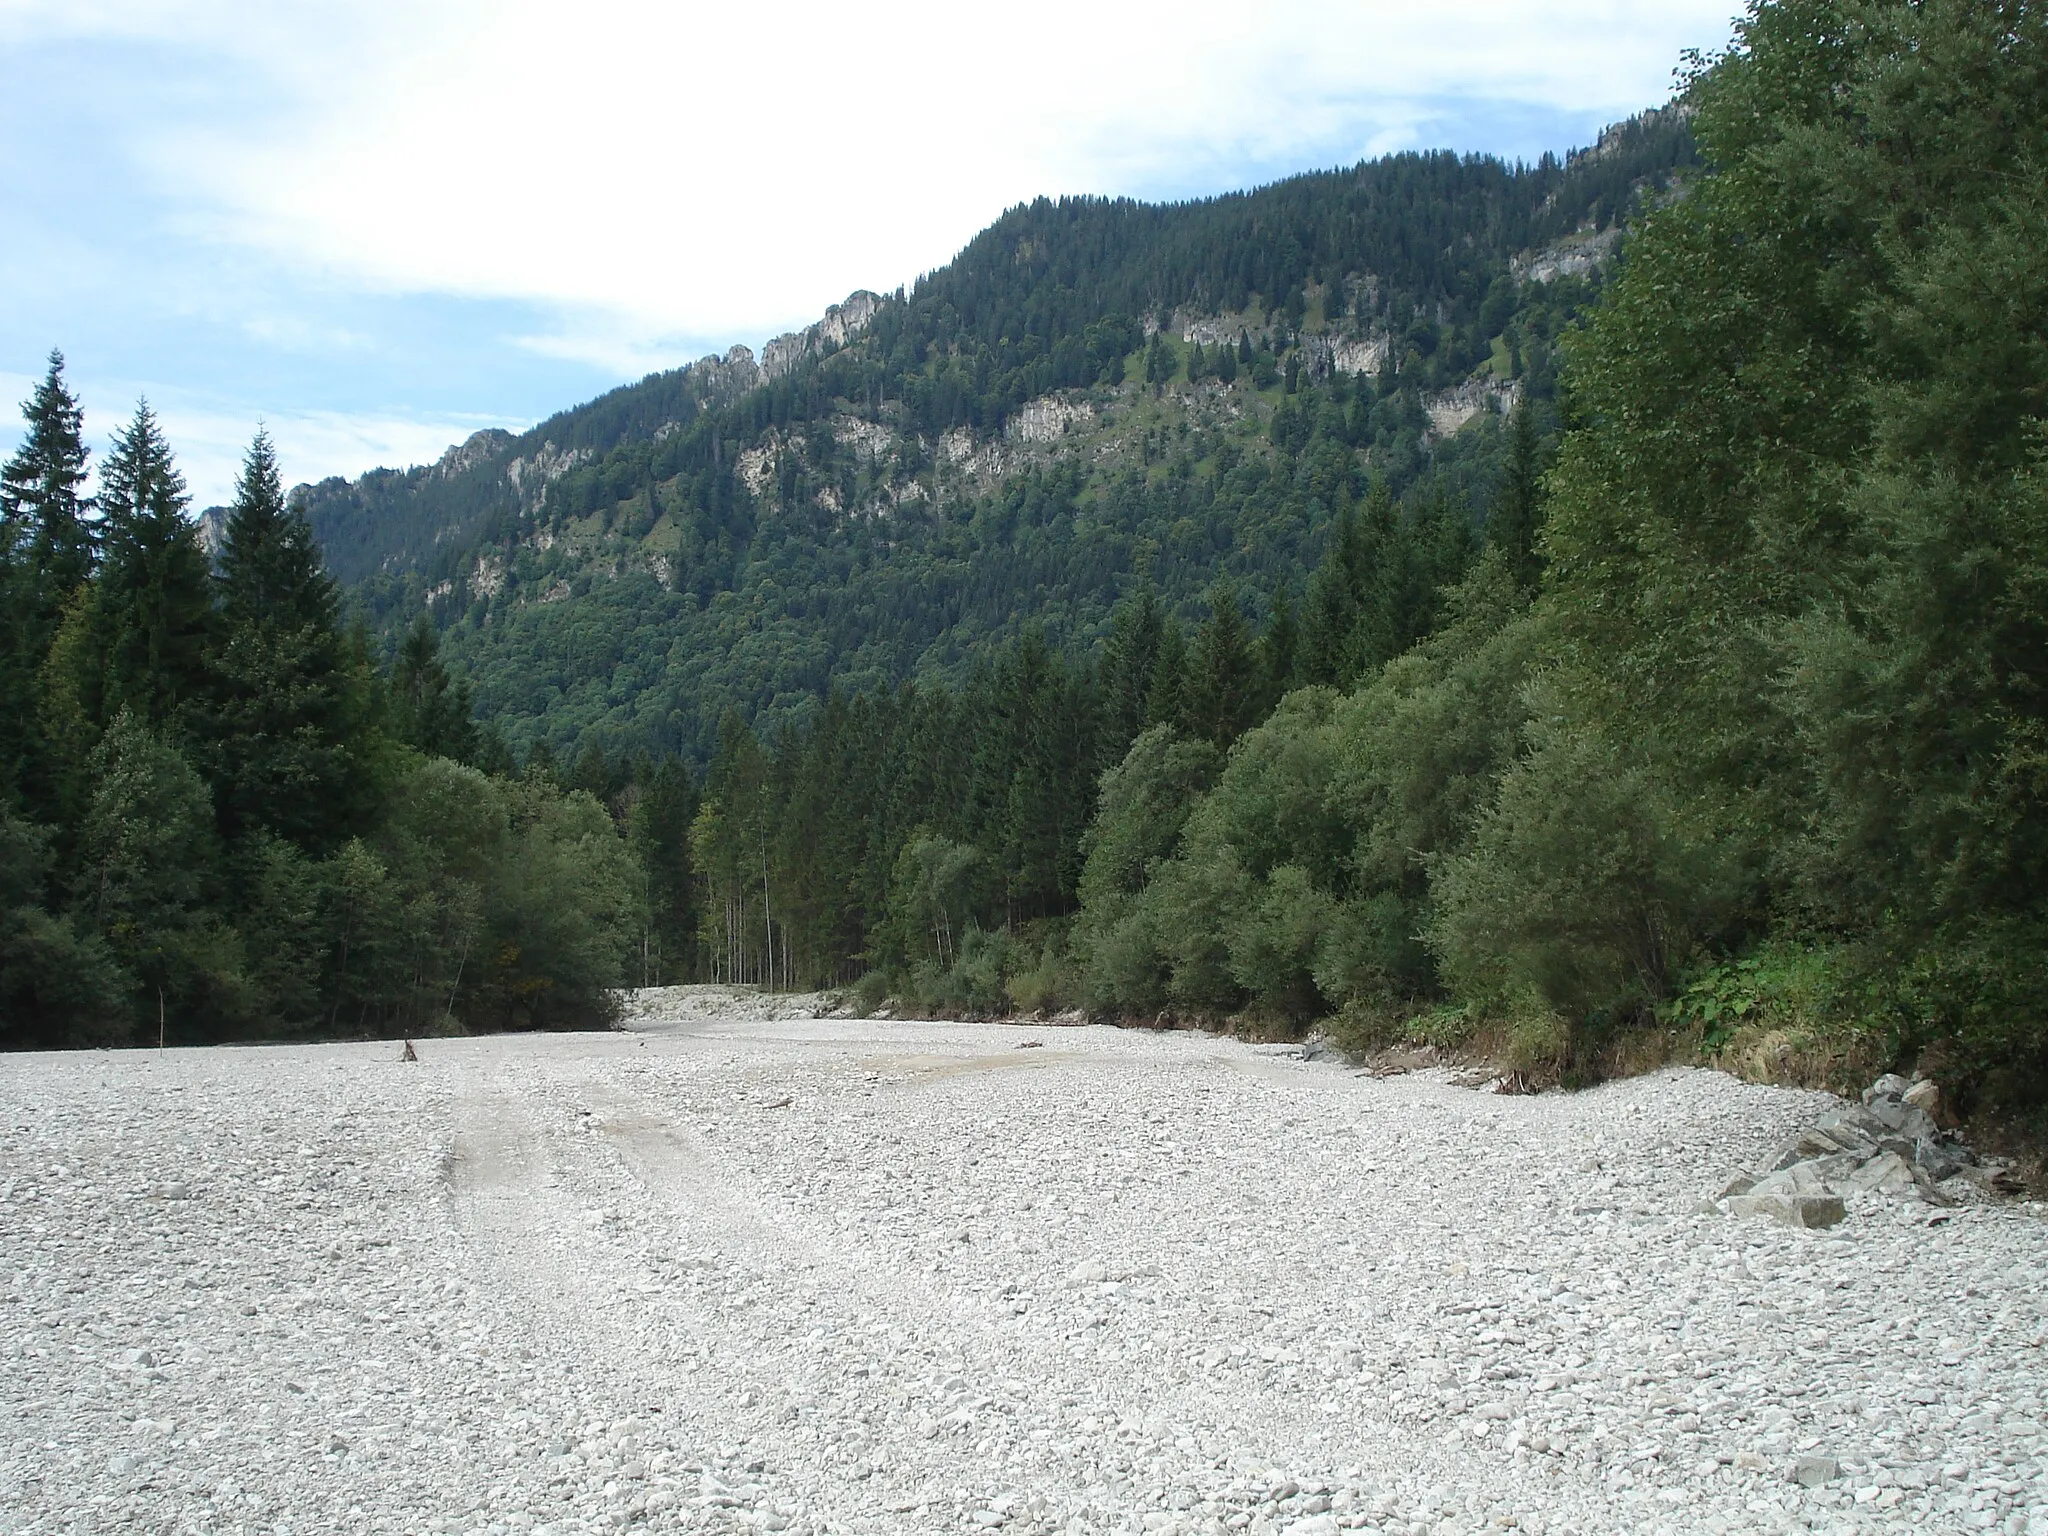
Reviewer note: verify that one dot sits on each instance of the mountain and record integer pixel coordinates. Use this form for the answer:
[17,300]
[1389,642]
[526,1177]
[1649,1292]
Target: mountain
[1094,393]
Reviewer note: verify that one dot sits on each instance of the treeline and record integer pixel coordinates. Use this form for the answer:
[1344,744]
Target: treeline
[935,841]
[221,818]
[1736,729]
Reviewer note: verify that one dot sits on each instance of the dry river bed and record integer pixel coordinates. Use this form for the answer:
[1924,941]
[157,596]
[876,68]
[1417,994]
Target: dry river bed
[728,1271]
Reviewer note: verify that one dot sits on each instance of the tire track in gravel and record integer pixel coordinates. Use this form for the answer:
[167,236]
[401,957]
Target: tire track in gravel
[829,1326]
[514,1200]
[634,1256]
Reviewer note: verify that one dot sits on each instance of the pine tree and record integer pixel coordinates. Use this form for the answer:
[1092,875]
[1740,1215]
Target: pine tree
[1136,630]
[1221,700]
[41,508]
[291,751]
[431,711]
[153,618]
[1516,516]
[45,556]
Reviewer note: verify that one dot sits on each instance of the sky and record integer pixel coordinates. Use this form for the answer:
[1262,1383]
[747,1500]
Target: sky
[376,227]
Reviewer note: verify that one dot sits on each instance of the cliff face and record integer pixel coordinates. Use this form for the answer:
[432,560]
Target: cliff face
[1575,256]
[841,324]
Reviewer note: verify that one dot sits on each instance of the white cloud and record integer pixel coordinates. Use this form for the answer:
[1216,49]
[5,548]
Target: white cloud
[659,171]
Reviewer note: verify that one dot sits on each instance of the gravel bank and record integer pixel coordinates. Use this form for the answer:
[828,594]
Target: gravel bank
[727,1271]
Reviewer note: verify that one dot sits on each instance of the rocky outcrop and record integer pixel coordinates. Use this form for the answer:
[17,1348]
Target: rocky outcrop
[1046,419]
[1573,256]
[864,439]
[531,477]
[488,579]
[1323,354]
[472,451]
[1211,329]
[756,467]
[1454,407]
[1891,1144]
[961,450]
[842,322]
[733,374]
[213,528]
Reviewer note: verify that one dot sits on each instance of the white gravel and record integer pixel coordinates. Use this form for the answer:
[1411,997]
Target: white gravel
[733,1272]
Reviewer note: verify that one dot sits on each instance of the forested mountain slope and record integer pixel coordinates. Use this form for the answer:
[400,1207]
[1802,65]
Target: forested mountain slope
[1092,394]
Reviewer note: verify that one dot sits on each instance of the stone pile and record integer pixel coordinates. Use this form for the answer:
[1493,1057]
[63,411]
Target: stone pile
[1890,1144]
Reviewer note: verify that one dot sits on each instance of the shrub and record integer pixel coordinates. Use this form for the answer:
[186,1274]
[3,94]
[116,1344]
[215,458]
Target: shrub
[1583,890]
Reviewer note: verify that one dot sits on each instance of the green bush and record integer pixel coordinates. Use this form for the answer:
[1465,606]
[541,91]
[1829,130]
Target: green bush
[1118,953]
[1583,890]
[1964,1002]
[59,983]
[1046,984]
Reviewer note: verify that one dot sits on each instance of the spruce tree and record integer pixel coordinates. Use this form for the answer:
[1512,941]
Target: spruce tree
[146,878]
[1136,630]
[431,711]
[41,507]
[290,746]
[59,983]
[659,829]
[1512,524]
[593,772]
[1221,700]
[1331,612]
[45,556]
[1158,362]
[1394,591]
[1163,699]
[1279,649]
[152,617]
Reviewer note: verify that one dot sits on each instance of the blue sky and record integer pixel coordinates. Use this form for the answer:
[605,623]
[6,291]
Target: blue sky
[380,226]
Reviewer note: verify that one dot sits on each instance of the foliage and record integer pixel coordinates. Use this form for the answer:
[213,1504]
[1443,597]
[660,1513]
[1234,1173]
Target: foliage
[46,552]
[59,983]
[1582,888]
[1797,543]
[245,849]
[288,736]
